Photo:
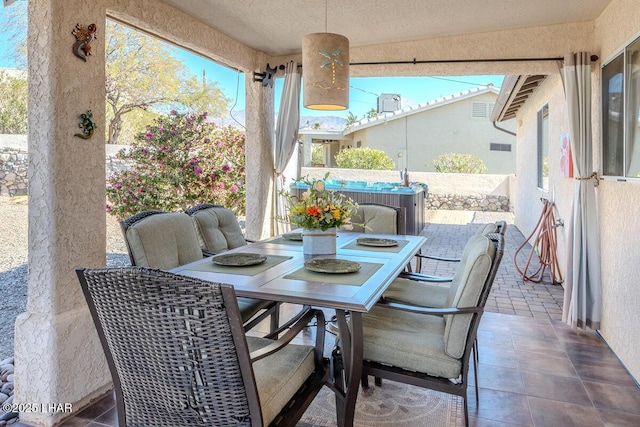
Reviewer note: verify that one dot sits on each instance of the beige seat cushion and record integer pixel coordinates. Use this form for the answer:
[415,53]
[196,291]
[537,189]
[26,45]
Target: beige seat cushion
[417,293]
[164,241]
[218,229]
[409,341]
[377,219]
[280,375]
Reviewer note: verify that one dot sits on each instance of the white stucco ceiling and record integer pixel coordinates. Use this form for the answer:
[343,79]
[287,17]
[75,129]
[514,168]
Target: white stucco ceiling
[276,27]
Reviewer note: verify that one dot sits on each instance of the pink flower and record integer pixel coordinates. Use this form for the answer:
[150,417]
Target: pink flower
[197,170]
[233,188]
[226,168]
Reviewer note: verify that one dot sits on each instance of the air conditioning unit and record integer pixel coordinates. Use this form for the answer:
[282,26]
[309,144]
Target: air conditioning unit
[388,102]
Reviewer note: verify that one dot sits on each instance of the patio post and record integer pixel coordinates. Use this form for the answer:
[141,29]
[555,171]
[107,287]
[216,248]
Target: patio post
[58,356]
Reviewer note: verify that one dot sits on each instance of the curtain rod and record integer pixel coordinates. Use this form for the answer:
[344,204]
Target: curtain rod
[445,61]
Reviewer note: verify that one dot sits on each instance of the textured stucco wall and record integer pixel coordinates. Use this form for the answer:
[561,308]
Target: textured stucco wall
[528,195]
[58,357]
[618,25]
[447,128]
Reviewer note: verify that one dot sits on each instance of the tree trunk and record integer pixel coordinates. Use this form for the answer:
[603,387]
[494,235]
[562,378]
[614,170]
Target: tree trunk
[114,129]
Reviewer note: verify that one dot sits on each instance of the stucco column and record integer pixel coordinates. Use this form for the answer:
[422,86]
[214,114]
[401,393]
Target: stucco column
[259,119]
[57,352]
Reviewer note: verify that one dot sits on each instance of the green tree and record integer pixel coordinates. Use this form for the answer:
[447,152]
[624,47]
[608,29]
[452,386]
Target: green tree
[179,161]
[13,104]
[459,163]
[143,73]
[351,118]
[316,154]
[372,113]
[364,158]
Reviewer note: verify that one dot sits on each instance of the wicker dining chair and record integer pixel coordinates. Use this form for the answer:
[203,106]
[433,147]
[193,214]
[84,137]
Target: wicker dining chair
[166,240]
[431,347]
[178,354]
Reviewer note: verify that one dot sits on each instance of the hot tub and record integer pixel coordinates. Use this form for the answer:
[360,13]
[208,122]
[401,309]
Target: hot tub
[386,193]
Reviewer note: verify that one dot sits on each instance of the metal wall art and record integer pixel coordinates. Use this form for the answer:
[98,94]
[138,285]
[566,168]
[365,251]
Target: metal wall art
[84,36]
[87,125]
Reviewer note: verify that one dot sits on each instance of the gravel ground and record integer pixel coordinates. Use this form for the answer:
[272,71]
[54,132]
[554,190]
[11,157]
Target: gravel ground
[13,264]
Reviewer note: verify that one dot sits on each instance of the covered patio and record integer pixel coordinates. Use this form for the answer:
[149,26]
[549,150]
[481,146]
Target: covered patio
[58,356]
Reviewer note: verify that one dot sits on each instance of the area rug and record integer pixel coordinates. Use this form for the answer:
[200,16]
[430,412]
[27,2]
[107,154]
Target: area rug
[393,404]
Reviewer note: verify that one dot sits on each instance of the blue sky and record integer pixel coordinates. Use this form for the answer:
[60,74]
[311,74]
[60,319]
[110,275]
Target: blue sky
[363,91]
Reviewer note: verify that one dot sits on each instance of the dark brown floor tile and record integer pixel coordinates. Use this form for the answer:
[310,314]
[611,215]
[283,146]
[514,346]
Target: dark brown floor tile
[543,363]
[501,406]
[75,422]
[532,330]
[613,397]
[550,346]
[584,351]
[495,337]
[605,372]
[109,418]
[552,413]
[566,333]
[481,422]
[500,378]
[619,419]
[98,408]
[564,389]
[497,355]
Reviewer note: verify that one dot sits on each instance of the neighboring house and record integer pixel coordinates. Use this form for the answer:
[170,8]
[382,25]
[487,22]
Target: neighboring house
[459,123]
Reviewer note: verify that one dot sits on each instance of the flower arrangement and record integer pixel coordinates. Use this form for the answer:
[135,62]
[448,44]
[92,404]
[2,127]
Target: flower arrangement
[319,208]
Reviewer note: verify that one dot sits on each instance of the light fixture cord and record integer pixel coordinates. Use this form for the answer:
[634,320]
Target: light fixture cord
[326,13]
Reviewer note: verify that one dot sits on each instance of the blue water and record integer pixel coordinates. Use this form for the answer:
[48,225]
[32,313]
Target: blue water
[364,186]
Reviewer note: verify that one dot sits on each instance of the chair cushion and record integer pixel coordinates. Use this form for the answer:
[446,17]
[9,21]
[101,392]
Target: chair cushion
[280,375]
[249,307]
[408,340]
[487,228]
[218,229]
[417,293]
[467,286]
[377,219]
[164,241]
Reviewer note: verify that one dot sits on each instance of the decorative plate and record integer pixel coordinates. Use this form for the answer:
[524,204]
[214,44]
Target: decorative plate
[331,265]
[239,260]
[293,236]
[371,241]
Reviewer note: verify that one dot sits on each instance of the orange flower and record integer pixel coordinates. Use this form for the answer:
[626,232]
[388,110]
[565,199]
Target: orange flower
[314,211]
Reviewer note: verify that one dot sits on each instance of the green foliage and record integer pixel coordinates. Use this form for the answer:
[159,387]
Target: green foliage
[373,113]
[364,158]
[316,154]
[351,118]
[13,104]
[459,163]
[180,161]
[142,73]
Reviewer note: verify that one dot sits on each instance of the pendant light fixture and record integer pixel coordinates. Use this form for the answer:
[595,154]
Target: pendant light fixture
[325,68]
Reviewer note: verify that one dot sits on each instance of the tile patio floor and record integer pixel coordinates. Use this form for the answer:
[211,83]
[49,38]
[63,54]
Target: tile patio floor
[534,370]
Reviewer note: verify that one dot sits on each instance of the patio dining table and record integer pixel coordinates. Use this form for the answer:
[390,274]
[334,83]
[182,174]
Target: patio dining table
[283,277]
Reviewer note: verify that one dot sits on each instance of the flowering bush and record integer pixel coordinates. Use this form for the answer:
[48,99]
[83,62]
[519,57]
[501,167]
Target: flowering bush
[318,207]
[180,161]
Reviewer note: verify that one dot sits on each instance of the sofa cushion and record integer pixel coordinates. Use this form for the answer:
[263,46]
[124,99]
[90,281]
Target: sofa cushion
[218,229]
[376,219]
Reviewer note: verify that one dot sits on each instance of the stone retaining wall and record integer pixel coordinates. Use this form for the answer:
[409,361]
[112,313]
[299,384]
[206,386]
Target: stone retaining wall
[13,171]
[487,203]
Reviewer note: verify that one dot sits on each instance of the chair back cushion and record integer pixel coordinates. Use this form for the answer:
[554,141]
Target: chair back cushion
[466,287]
[163,241]
[487,228]
[218,229]
[376,219]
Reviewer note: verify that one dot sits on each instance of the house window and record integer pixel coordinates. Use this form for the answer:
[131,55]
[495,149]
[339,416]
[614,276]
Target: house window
[543,148]
[621,113]
[499,147]
[481,110]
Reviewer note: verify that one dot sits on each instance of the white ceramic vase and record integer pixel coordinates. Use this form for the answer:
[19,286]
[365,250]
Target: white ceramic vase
[318,242]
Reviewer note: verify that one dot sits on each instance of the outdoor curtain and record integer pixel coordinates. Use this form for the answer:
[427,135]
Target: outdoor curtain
[583,295]
[285,141]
